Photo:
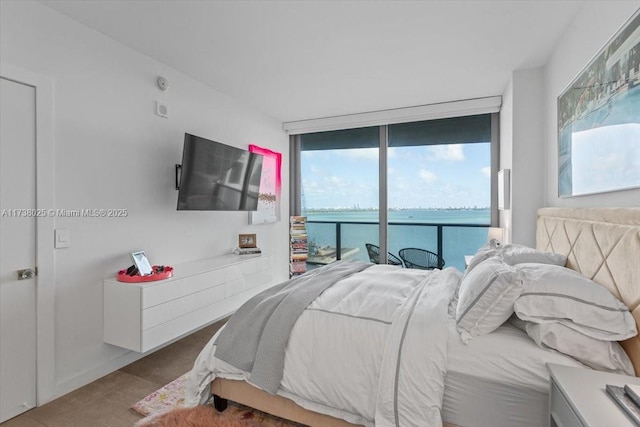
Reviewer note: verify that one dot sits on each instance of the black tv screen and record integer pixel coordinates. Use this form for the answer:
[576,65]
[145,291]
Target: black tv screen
[218,177]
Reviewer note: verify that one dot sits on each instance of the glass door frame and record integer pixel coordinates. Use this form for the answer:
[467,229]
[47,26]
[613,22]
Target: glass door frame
[295,180]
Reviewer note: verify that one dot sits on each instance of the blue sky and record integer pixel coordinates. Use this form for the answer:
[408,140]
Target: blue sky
[440,176]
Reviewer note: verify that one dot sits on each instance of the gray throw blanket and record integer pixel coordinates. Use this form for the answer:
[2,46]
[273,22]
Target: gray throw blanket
[255,337]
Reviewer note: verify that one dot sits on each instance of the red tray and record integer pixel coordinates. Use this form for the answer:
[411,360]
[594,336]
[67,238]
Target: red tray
[122,275]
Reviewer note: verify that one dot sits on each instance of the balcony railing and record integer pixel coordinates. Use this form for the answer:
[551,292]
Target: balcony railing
[451,241]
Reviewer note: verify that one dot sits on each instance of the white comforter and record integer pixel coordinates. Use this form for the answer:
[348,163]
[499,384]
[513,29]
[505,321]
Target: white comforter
[371,349]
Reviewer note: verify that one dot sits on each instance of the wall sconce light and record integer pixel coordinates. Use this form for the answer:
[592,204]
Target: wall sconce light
[504,189]
[496,233]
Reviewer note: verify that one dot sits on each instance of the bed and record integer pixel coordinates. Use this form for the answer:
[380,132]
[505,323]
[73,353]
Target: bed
[497,378]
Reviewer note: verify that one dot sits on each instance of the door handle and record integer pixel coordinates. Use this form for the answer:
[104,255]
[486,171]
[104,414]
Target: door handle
[26,273]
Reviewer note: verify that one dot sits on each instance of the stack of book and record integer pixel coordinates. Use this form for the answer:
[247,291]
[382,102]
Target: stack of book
[628,398]
[246,251]
[298,246]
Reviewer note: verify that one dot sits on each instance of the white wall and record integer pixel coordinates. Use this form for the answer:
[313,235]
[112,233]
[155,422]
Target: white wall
[506,151]
[521,150]
[592,28]
[111,151]
[527,171]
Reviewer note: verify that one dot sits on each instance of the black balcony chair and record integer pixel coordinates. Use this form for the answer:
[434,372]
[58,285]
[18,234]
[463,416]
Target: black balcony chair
[421,259]
[374,255]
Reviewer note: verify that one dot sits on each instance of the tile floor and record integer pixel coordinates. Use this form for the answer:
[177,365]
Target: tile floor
[107,401]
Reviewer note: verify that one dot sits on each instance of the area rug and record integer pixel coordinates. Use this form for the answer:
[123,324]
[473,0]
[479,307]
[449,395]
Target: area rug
[163,407]
[168,397]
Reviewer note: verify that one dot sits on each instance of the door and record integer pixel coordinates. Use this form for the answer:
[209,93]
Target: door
[339,182]
[17,248]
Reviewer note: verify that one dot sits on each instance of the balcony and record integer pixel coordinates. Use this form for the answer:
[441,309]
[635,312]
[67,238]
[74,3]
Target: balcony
[332,240]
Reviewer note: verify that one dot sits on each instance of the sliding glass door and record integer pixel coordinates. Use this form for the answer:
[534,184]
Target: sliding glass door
[425,185]
[439,186]
[340,193]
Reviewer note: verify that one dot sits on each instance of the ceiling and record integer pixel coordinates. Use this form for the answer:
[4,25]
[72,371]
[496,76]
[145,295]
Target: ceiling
[298,60]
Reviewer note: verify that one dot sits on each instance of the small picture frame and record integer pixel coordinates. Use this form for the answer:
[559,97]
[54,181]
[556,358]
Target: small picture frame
[246,240]
[142,263]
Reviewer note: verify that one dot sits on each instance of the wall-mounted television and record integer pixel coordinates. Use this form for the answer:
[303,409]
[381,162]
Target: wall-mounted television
[216,176]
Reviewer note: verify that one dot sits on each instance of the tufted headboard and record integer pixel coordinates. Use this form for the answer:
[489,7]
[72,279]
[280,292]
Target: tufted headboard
[602,244]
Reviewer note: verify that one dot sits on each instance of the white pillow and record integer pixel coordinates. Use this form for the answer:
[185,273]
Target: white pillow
[601,355]
[486,251]
[518,254]
[486,297]
[557,294]
[513,254]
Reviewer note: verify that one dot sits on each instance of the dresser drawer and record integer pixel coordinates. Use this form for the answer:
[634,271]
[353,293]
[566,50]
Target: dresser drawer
[144,316]
[174,289]
[162,313]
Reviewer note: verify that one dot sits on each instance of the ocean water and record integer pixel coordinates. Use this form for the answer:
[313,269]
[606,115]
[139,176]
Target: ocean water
[406,230]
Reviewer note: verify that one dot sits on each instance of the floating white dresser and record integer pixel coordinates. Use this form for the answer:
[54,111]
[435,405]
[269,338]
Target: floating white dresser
[143,316]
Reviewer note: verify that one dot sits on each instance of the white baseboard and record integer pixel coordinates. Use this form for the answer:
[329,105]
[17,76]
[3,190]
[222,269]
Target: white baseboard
[82,379]
[87,377]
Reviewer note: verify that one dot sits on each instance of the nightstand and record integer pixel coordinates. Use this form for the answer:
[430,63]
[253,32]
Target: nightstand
[578,398]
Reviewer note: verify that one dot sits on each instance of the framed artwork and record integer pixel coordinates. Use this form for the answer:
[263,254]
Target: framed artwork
[247,240]
[599,120]
[270,185]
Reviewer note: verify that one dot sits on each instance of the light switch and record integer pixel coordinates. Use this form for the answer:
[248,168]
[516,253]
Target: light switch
[62,238]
